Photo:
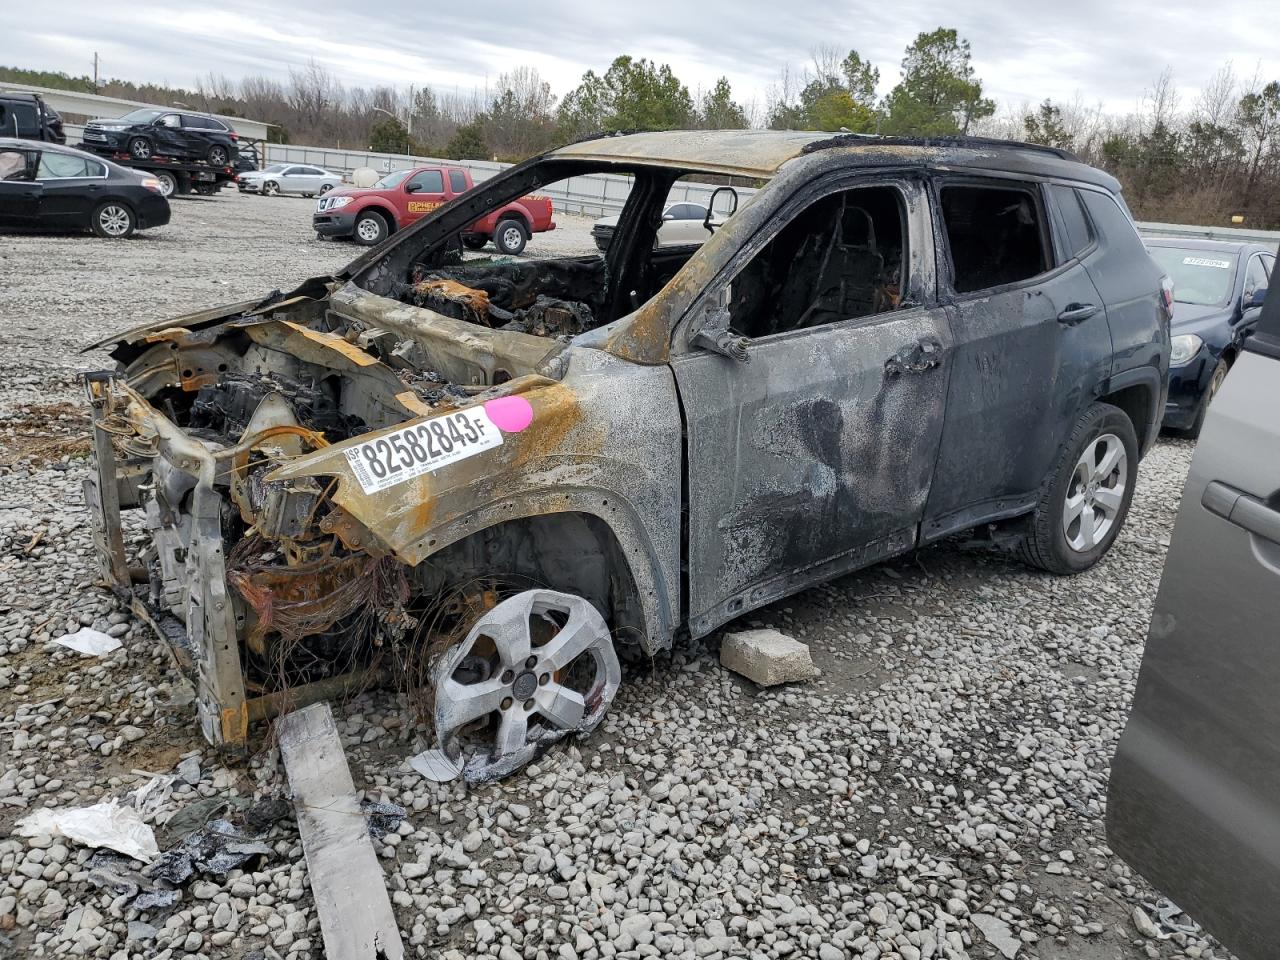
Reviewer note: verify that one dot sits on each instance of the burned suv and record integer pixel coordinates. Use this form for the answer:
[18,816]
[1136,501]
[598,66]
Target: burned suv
[479,478]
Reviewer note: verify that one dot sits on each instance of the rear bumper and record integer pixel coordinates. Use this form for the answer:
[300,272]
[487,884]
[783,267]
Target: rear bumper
[337,224]
[153,212]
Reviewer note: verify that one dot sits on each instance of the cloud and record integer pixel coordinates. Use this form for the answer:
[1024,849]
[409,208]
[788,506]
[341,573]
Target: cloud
[1097,50]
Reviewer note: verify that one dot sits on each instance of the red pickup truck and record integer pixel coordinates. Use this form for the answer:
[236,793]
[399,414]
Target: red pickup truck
[371,214]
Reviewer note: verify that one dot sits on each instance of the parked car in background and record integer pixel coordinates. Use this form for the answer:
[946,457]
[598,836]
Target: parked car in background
[1194,799]
[46,186]
[249,155]
[682,224]
[884,348]
[371,214]
[298,178]
[1218,290]
[27,117]
[152,131]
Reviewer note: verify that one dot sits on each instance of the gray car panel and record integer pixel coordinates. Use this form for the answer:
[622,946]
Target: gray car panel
[1195,786]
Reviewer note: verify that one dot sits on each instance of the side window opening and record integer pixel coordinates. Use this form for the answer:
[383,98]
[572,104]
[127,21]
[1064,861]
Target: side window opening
[995,234]
[1076,224]
[427,181]
[841,258]
[13,165]
[457,181]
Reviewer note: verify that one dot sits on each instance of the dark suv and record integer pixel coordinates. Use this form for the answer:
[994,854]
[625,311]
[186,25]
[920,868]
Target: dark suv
[154,131]
[889,343]
[26,116]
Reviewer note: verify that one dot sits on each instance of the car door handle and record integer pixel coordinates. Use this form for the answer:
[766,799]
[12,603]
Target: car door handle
[1236,506]
[1077,313]
[914,358]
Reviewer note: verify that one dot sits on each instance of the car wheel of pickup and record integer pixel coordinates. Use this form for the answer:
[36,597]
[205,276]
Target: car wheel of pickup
[271,188]
[140,148]
[473,241]
[1084,501]
[533,669]
[113,220]
[510,237]
[370,229]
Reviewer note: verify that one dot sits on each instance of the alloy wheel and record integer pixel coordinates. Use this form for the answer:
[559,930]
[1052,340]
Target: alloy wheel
[1095,493]
[114,220]
[535,668]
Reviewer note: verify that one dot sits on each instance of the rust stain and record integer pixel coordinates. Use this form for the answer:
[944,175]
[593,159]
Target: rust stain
[475,300]
[333,342]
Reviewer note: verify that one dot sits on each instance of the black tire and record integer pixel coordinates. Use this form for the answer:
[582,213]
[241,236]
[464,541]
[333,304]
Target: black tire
[510,237]
[168,183]
[1045,543]
[307,196]
[1215,384]
[218,155]
[325,188]
[270,188]
[370,229]
[141,148]
[113,219]
[473,241]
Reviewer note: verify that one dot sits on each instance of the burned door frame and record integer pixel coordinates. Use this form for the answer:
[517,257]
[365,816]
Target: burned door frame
[873,464]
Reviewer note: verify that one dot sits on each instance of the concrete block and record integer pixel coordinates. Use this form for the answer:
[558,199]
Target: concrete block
[767,657]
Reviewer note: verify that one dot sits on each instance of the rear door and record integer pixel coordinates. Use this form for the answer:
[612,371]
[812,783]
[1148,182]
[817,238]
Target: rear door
[1194,800]
[1031,343]
[424,193]
[73,186]
[170,138]
[19,193]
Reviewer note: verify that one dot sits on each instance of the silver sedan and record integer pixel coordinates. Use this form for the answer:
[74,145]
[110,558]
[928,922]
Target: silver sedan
[297,178]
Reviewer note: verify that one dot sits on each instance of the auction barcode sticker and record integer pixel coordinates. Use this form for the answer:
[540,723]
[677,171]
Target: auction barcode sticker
[1206,262]
[422,447]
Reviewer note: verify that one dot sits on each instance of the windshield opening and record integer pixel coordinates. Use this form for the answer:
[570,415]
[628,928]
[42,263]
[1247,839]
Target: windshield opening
[142,116]
[1200,277]
[392,180]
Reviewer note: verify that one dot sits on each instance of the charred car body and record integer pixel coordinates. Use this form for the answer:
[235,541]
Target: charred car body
[483,477]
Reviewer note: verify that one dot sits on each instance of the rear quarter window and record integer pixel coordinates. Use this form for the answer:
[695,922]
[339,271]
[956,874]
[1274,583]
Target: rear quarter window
[1074,221]
[457,181]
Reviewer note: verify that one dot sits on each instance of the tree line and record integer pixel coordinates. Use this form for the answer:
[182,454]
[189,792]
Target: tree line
[1200,162]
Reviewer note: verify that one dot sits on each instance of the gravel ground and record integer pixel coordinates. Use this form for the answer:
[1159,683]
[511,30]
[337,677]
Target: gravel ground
[937,792]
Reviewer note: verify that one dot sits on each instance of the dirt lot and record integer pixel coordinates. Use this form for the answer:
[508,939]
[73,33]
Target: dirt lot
[938,792]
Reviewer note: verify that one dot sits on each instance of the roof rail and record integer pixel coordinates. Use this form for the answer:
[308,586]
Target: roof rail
[853,139]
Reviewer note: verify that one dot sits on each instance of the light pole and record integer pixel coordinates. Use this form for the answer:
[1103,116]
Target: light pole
[397,120]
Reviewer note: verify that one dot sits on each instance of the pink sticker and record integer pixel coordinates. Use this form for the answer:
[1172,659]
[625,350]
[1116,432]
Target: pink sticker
[509,414]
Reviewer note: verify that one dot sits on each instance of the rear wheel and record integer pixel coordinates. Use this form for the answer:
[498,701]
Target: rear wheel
[141,148]
[474,241]
[510,237]
[325,188]
[271,188]
[218,155]
[168,182]
[370,229]
[1215,384]
[1085,499]
[113,220]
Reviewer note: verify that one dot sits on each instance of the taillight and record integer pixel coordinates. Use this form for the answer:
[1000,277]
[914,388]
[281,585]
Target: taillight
[1166,289]
[233,135]
[151,183]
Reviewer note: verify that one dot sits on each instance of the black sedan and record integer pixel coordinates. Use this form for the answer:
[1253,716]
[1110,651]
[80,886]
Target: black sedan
[1218,289]
[45,186]
[152,132]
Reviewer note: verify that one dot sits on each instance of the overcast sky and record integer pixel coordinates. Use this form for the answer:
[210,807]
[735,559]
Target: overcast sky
[1102,50]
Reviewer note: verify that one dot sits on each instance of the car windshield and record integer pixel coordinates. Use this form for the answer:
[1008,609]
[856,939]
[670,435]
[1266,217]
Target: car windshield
[392,180]
[141,116]
[1200,277]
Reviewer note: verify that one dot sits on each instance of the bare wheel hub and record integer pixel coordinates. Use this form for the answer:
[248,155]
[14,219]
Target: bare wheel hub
[551,671]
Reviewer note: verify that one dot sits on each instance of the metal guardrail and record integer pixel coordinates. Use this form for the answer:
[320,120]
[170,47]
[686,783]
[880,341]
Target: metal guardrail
[1238,234]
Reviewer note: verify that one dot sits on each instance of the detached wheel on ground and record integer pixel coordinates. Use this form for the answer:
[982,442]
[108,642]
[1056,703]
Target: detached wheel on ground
[533,669]
[1085,499]
[218,155]
[370,229]
[168,182]
[271,188]
[1215,384]
[113,219]
[140,148]
[510,237]
[473,241]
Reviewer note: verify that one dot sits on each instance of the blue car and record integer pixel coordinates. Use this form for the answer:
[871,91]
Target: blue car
[1218,289]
